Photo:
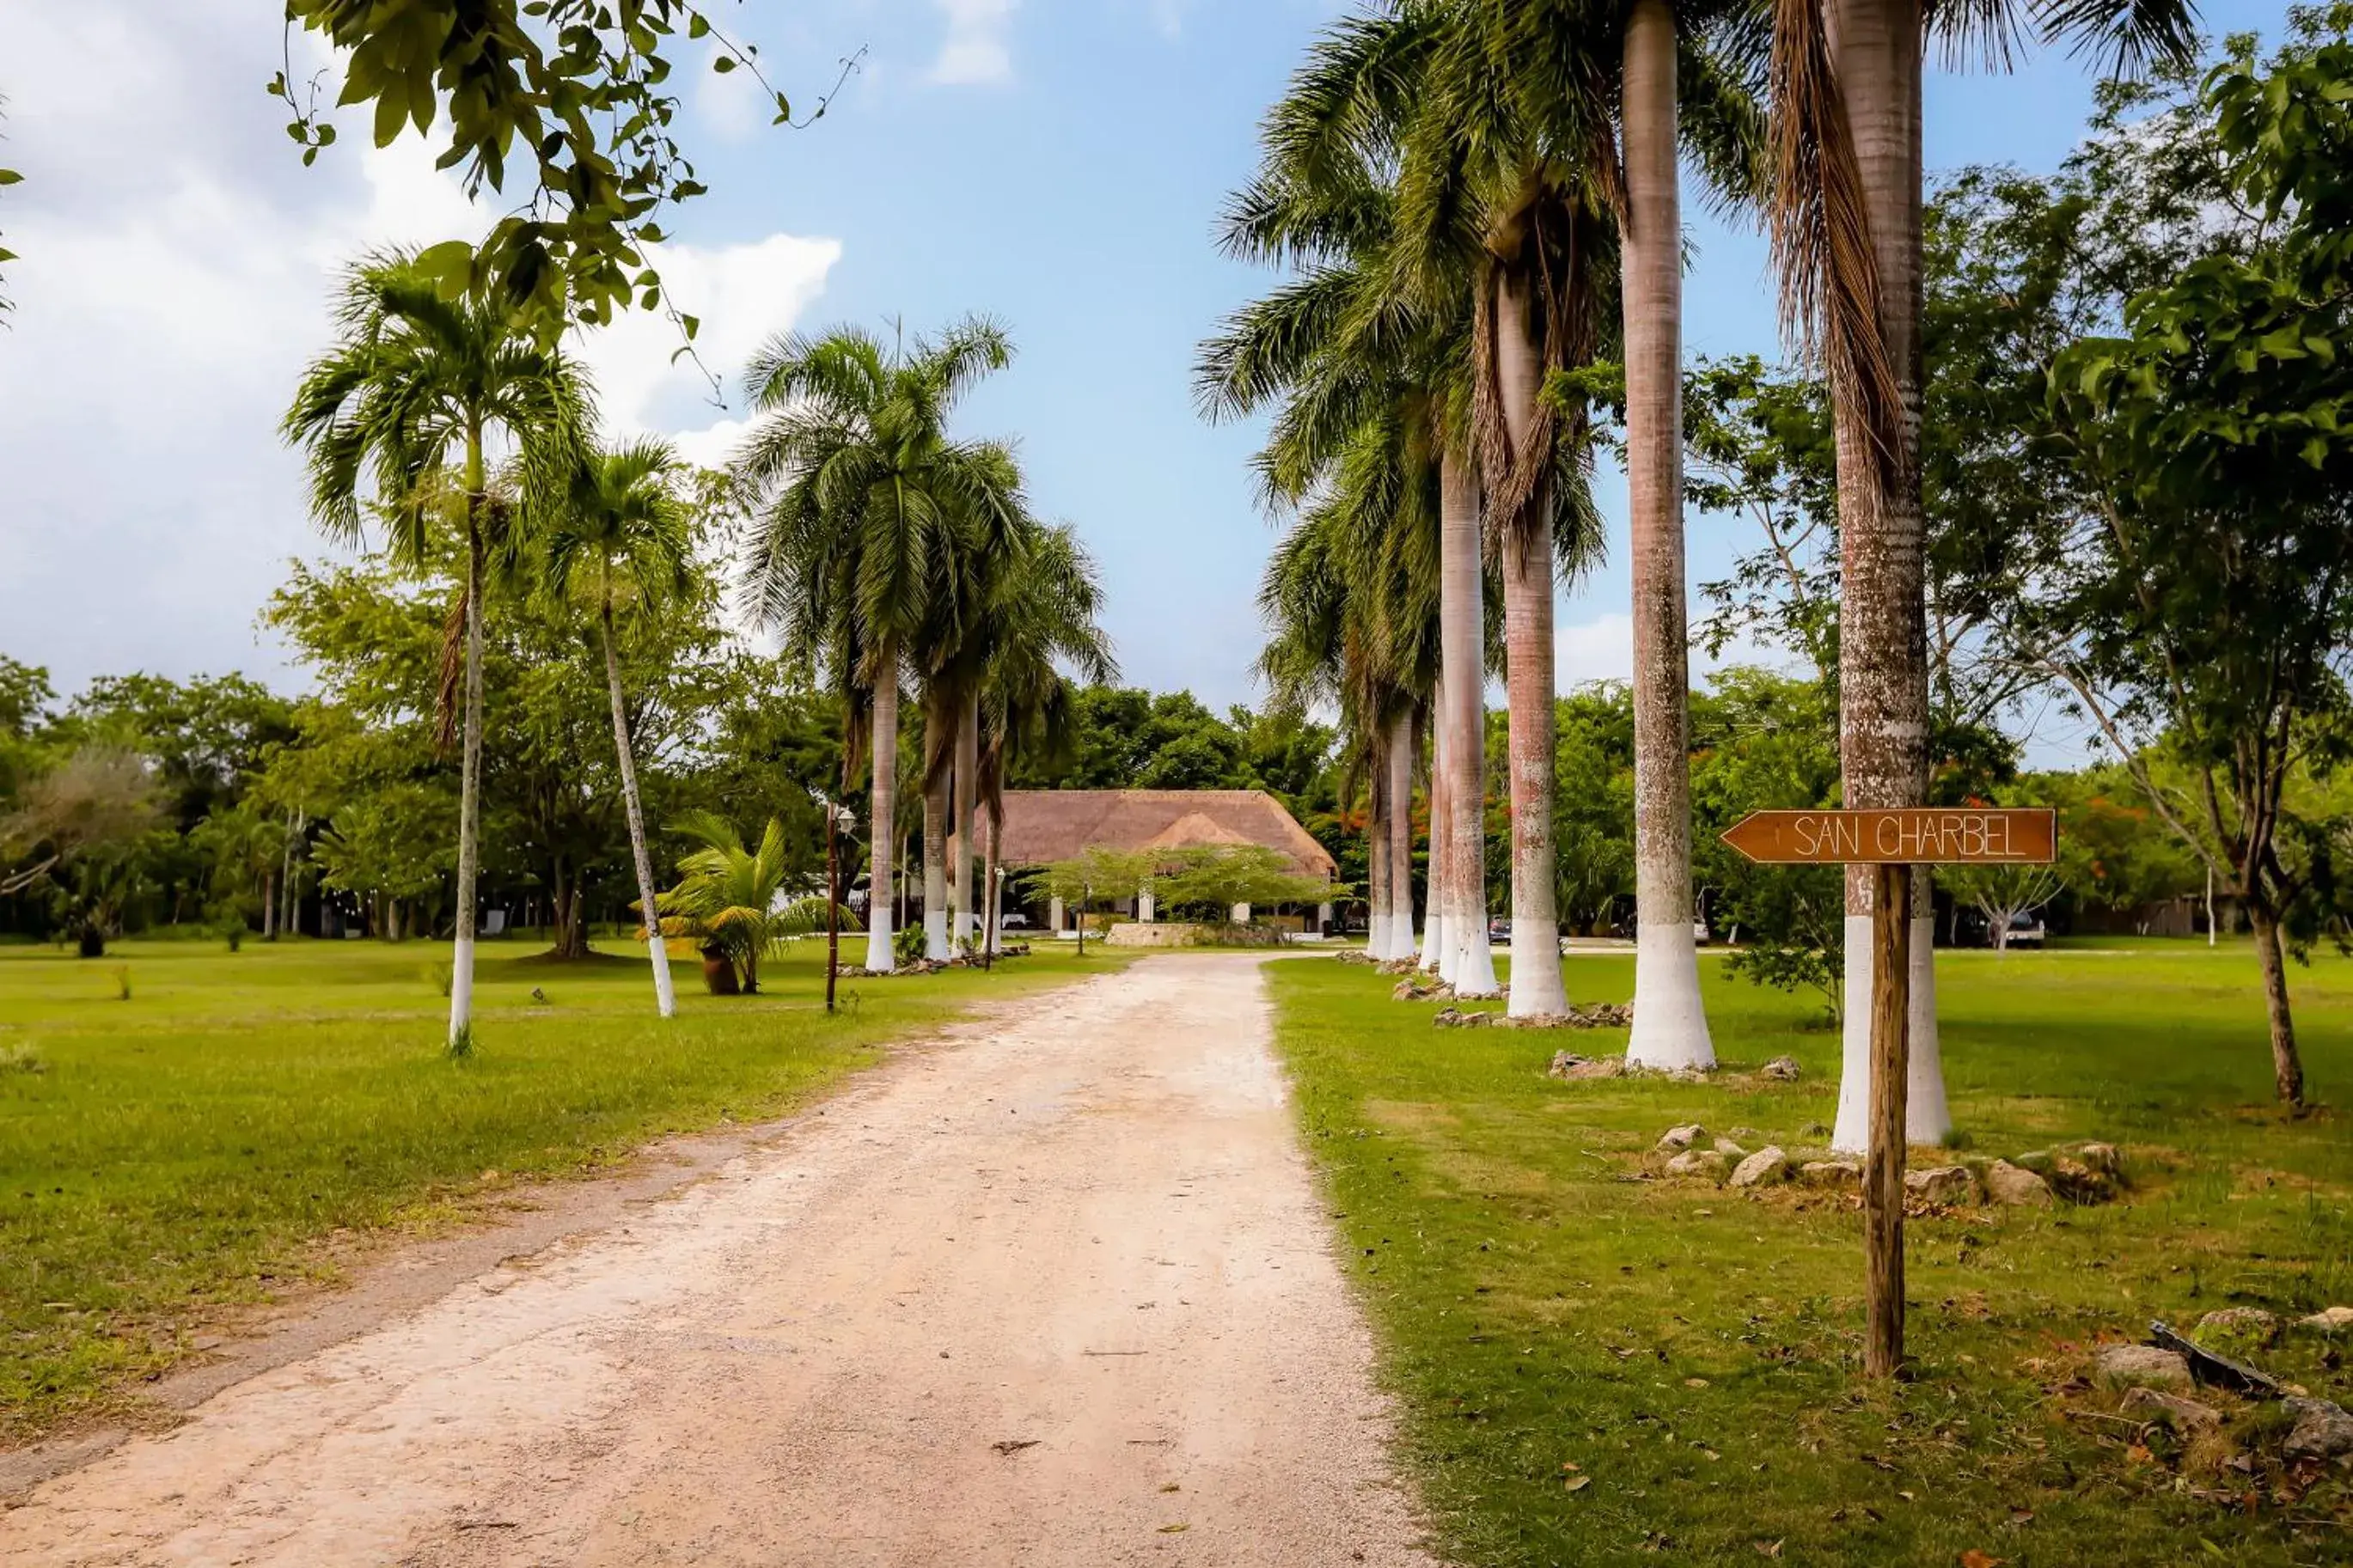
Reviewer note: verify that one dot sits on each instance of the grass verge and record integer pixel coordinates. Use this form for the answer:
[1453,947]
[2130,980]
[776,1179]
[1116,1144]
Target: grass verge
[1599,1367]
[187,1148]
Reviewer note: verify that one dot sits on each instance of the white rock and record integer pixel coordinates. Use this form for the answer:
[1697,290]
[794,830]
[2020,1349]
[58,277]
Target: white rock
[2329,1320]
[2014,1185]
[2322,1430]
[1830,1174]
[1678,1139]
[2146,1366]
[1763,1168]
[1702,1164]
[1942,1185]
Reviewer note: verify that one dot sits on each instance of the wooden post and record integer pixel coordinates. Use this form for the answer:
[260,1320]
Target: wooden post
[1883,1177]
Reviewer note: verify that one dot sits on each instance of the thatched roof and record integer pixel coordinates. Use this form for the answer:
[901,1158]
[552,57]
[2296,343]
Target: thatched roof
[1047,825]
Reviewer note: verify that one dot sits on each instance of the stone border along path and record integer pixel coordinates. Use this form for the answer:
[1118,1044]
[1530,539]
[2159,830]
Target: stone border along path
[1061,1291]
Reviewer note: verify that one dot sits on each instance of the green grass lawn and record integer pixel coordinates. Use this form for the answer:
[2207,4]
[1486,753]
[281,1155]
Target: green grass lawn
[188,1148]
[1599,1368]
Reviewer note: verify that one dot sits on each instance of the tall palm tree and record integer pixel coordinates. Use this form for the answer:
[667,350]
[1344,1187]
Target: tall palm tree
[1043,628]
[869,513]
[1350,624]
[623,539]
[1505,172]
[1846,208]
[1350,345]
[417,381]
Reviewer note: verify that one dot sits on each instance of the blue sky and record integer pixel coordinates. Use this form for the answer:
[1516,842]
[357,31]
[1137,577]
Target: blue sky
[1056,164]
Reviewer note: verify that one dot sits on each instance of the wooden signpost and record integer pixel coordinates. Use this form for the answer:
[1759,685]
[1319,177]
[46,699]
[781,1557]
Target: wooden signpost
[1892,841]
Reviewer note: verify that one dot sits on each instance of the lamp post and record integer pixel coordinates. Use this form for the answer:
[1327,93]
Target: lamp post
[836,818]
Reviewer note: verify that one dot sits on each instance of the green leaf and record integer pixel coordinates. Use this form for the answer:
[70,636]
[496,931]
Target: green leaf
[452,259]
[724,64]
[692,324]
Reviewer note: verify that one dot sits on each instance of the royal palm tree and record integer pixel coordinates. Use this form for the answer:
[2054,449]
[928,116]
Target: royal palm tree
[623,540]
[1351,621]
[1846,213]
[869,514]
[416,382]
[1042,630]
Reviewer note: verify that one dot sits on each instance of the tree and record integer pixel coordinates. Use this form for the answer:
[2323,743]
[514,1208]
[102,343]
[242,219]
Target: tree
[727,896]
[1373,371]
[871,517]
[2199,596]
[1042,621]
[391,845]
[623,536]
[1346,624]
[579,85]
[418,378]
[88,827]
[1667,81]
[1846,222]
[1762,740]
[1214,880]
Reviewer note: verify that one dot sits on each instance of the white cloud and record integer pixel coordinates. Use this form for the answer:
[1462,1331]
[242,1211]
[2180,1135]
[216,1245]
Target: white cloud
[740,294]
[976,50]
[176,267]
[1602,648]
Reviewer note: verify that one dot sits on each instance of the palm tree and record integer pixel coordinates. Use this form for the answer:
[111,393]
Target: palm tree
[726,895]
[1663,43]
[1846,80]
[416,379]
[1042,629]
[623,535]
[1346,626]
[1352,345]
[868,509]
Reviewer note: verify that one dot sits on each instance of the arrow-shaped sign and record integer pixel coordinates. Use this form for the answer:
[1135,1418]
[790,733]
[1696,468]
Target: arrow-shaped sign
[1908,835]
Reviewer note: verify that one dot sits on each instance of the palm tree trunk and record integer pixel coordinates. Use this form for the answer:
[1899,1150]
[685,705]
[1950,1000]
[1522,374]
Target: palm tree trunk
[935,871]
[993,884]
[1883,607]
[1399,763]
[269,905]
[1670,1023]
[1529,655]
[1461,636]
[1437,952]
[968,800]
[469,786]
[665,997]
[884,812]
[1380,941]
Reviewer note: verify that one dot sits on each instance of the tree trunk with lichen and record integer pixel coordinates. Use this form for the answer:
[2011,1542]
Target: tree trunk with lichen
[967,801]
[1461,616]
[882,811]
[1526,548]
[1875,48]
[1670,1022]
[1400,760]
[640,860]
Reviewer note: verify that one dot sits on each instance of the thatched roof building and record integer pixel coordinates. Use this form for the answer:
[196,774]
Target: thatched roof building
[1047,825]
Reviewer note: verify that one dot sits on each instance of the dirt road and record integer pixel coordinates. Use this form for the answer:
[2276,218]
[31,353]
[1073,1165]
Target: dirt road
[1059,1292]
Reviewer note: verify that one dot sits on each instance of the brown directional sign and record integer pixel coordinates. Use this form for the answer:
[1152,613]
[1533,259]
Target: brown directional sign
[1908,835]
